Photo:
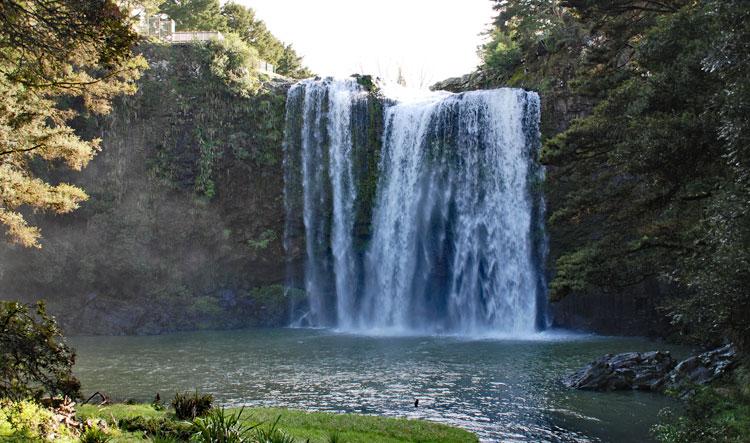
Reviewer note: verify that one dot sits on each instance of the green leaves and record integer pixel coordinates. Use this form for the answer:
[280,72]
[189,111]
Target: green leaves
[34,359]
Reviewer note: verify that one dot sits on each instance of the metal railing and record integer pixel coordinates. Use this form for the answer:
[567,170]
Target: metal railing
[194,36]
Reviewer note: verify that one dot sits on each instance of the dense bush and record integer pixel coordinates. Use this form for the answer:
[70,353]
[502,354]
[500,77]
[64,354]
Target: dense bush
[23,421]
[716,413]
[189,406]
[34,359]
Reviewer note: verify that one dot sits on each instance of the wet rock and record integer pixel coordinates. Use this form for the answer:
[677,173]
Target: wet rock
[653,371]
[644,371]
[700,370]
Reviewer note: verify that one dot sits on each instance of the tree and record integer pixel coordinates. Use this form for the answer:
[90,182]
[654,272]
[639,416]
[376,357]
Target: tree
[242,21]
[653,183]
[253,31]
[58,59]
[195,15]
[290,64]
[34,359]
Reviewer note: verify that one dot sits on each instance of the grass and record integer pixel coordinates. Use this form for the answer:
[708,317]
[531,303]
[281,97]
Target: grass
[315,426]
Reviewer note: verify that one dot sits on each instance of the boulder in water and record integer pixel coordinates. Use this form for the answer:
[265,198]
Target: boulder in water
[653,371]
[644,371]
[701,370]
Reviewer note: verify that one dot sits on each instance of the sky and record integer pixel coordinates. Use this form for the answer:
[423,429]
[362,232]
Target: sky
[430,40]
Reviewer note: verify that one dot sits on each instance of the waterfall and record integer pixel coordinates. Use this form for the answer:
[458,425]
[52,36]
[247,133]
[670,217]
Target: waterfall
[454,241]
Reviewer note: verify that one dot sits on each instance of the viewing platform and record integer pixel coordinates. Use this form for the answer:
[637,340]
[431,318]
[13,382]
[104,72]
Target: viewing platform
[179,38]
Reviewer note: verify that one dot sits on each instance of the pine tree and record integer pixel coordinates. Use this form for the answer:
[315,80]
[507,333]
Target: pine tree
[58,59]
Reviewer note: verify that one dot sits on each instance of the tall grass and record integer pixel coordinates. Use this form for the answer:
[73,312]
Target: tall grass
[219,426]
[189,406]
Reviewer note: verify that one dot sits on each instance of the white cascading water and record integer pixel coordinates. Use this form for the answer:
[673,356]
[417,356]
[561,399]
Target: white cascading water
[453,244]
[341,173]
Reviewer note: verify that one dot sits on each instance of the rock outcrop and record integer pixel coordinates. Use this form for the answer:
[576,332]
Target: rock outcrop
[633,370]
[700,370]
[468,82]
[653,371]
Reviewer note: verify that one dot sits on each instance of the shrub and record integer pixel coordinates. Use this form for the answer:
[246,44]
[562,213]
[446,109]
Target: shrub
[24,421]
[717,413]
[34,359]
[189,406]
[157,428]
[222,427]
[95,435]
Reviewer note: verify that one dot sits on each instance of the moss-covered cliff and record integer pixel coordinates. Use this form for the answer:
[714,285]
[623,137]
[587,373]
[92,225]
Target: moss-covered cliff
[184,225]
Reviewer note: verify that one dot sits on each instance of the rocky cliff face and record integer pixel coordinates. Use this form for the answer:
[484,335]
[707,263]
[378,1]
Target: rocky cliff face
[184,225]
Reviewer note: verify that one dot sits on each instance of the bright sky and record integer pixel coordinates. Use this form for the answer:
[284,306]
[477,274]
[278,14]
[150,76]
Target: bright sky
[430,39]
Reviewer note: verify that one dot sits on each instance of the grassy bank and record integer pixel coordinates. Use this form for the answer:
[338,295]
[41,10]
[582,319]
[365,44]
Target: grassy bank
[303,426]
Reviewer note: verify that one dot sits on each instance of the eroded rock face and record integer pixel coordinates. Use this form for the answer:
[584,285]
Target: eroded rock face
[653,371]
[633,370]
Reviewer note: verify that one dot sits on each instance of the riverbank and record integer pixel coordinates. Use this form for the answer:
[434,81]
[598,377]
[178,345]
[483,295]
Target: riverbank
[303,426]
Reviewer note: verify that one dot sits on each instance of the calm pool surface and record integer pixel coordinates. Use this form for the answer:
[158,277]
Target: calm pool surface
[504,390]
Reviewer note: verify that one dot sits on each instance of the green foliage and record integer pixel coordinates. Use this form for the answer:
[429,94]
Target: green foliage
[23,421]
[233,61]
[714,414]
[253,31]
[156,427]
[262,242]
[291,64]
[240,23]
[188,406]
[195,15]
[203,182]
[651,165]
[272,434]
[95,434]
[525,39]
[59,60]
[502,54]
[221,426]
[34,359]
